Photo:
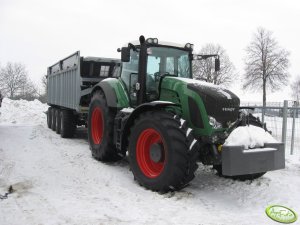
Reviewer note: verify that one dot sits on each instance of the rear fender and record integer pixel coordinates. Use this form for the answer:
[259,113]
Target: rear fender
[114,91]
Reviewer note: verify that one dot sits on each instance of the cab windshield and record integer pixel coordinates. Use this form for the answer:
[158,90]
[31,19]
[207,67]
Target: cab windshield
[163,60]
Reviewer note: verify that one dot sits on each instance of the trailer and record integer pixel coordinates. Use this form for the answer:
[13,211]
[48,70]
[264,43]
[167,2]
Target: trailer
[69,85]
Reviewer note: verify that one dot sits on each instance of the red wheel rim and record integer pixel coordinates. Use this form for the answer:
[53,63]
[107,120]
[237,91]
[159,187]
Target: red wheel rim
[97,125]
[149,168]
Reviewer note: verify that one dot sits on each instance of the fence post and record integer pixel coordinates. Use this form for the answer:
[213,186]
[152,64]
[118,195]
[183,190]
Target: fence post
[263,115]
[293,128]
[284,122]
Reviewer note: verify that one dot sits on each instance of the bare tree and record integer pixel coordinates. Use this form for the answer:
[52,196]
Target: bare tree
[42,94]
[15,83]
[28,92]
[266,63]
[44,82]
[12,78]
[296,89]
[205,69]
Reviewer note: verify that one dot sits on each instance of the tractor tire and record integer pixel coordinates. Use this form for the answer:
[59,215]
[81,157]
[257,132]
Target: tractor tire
[53,124]
[57,119]
[49,117]
[67,123]
[163,153]
[101,129]
[255,122]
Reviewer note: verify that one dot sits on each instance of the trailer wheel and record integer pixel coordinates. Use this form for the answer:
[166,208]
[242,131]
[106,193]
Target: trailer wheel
[53,124]
[162,151]
[101,129]
[49,117]
[249,119]
[58,122]
[67,123]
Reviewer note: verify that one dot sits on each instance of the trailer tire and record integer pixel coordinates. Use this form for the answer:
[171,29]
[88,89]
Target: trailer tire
[163,153]
[255,122]
[58,122]
[67,123]
[49,117]
[53,124]
[101,129]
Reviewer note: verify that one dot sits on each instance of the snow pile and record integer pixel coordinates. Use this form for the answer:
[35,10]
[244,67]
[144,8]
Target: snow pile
[250,137]
[23,112]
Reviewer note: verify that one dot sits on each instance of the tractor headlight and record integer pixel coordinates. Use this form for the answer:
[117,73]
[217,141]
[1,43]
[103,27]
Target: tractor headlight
[152,41]
[214,123]
[149,40]
[189,46]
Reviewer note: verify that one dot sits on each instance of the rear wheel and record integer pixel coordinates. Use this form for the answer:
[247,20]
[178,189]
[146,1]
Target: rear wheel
[67,123]
[162,151]
[49,117]
[58,123]
[101,128]
[249,119]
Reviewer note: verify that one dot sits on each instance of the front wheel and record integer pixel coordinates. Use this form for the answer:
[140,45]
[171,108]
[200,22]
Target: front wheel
[162,151]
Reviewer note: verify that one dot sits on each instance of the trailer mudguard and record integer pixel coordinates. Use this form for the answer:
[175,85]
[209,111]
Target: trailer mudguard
[114,91]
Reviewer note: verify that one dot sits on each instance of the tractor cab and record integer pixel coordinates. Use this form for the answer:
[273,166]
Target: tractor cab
[146,62]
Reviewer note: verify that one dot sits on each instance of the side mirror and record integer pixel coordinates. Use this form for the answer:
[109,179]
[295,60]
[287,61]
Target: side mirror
[217,64]
[125,54]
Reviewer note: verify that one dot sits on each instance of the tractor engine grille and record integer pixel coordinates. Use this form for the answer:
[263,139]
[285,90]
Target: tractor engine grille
[219,103]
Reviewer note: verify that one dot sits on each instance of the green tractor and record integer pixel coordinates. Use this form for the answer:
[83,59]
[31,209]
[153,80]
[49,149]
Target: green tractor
[166,122]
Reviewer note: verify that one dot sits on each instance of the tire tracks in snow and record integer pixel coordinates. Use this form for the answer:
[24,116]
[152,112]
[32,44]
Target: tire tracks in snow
[27,200]
[6,169]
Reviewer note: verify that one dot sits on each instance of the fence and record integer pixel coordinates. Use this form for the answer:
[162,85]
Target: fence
[283,120]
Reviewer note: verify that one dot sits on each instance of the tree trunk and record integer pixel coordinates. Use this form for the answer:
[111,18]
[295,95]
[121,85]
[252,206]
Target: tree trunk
[264,101]
[264,93]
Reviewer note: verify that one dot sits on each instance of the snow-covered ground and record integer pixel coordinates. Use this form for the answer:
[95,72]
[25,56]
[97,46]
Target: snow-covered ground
[56,181]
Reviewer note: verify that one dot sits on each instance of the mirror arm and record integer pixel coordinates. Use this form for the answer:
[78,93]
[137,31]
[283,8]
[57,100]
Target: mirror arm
[131,46]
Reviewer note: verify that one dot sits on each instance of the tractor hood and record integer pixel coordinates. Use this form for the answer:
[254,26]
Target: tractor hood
[219,102]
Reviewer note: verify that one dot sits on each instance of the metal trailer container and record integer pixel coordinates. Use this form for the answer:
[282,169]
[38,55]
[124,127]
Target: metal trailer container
[72,78]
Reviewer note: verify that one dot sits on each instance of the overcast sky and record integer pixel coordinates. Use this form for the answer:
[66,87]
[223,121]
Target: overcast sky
[38,33]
